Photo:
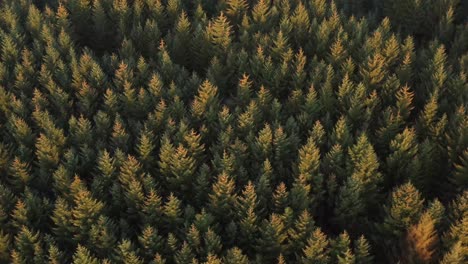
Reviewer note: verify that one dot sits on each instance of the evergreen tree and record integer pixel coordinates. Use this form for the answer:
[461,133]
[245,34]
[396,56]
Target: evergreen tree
[404,148]
[235,255]
[102,236]
[317,249]
[247,206]
[236,10]
[421,240]
[300,22]
[261,13]
[455,255]
[150,241]
[127,254]
[222,198]
[298,234]
[219,33]
[308,167]
[206,100]
[341,249]
[176,164]
[84,214]
[362,251]
[172,211]
[360,189]
[405,209]
[28,247]
[4,247]
[82,255]
[183,34]
[271,242]
[184,255]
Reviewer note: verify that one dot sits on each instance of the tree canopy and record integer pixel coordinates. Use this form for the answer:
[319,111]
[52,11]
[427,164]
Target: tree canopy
[233,131]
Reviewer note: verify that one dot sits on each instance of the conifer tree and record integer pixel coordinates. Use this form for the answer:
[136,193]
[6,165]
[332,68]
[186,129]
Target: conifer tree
[212,242]
[222,198]
[461,170]
[421,240]
[340,249]
[280,197]
[62,219]
[102,26]
[176,164]
[85,212]
[300,191]
[4,247]
[455,255]
[273,235]
[20,174]
[212,260]
[205,101]
[236,9]
[360,189]
[184,255]
[172,211]
[183,33]
[404,148]
[374,73]
[28,246]
[261,14]
[300,22]
[308,167]
[247,204]
[298,233]
[127,254]
[405,208]
[317,249]
[82,256]
[311,107]
[234,255]
[362,251]
[219,32]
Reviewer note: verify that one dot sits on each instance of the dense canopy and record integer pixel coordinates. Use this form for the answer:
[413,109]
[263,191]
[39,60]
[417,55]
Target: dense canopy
[233,131]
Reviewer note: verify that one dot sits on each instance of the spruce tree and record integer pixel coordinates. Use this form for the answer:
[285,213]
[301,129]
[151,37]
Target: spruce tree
[317,249]
[421,240]
[82,255]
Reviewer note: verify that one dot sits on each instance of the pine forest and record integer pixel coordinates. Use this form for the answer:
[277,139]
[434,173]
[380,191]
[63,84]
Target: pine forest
[234,131]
